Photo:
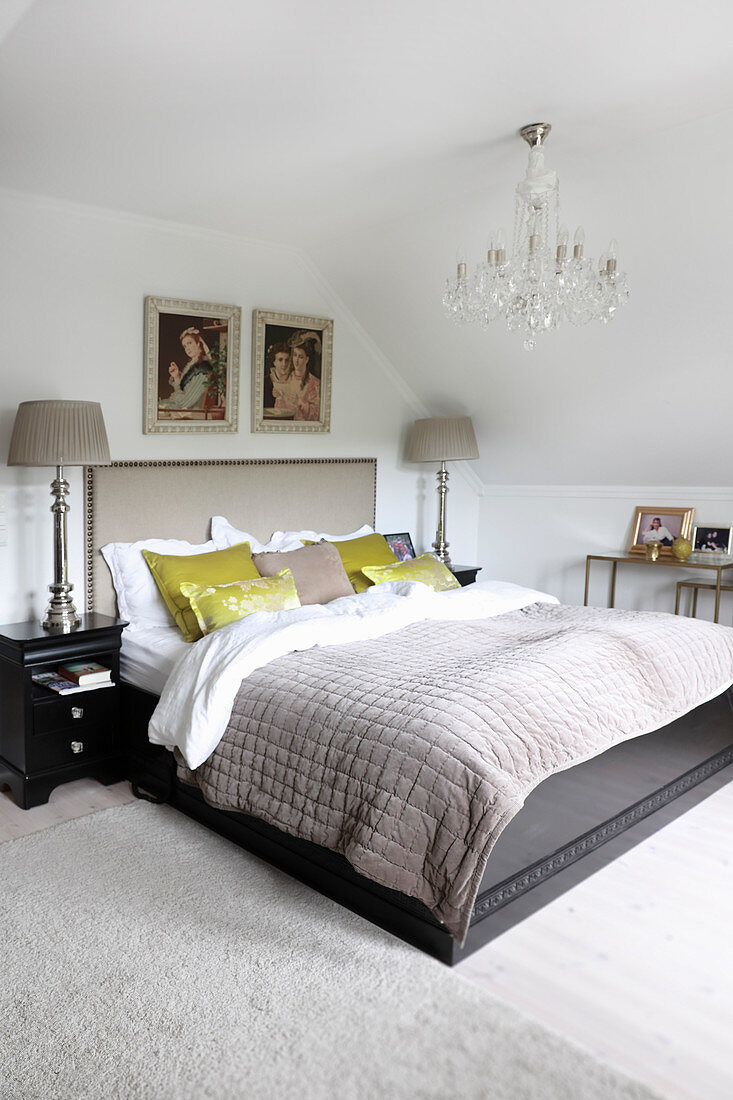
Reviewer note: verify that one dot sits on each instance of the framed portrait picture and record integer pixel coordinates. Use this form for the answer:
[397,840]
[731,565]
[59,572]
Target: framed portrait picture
[191,366]
[401,545]
[714,538]
[291,372]
[662,525]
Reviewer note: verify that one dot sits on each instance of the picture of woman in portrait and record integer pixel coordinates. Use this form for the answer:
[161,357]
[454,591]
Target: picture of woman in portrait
[191,366]
[190,381]
[281,388]
[291,372]
[305,348]
[656,531]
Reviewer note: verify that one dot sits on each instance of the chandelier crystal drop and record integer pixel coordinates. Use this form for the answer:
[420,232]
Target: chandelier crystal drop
[541,285]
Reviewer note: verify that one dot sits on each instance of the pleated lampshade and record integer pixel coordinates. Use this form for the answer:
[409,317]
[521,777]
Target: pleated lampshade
[442,439]
[59,433]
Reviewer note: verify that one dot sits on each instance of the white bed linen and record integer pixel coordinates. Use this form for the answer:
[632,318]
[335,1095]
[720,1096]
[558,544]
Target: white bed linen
[196,702]
[225,534]
[149,654]
[138,598]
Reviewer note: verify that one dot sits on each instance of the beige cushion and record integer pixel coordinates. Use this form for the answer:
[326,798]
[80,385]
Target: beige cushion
[317,571]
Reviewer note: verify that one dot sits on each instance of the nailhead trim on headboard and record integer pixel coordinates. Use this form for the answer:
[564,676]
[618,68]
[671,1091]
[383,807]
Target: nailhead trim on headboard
[89,471]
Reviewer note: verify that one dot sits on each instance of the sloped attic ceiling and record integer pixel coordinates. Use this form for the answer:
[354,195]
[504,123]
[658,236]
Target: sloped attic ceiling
[295,121]
[379,136]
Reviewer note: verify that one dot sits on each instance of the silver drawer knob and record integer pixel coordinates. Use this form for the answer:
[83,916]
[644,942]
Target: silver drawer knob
[77,746]
[77,712]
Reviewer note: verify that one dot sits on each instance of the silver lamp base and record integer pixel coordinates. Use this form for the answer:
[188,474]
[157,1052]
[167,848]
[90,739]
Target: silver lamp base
[441,543]
[61,615]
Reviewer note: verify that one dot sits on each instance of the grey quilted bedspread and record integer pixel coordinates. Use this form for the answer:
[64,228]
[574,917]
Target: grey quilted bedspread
[409,754]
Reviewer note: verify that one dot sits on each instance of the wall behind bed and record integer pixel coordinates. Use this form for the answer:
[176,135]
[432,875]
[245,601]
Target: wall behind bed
[539,535]
[72,284]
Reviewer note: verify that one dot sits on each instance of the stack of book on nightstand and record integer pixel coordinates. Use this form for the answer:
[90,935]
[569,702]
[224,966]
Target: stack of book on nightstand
[75,676]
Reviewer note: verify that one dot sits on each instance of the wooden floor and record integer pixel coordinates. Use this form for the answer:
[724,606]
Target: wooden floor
[635,963]
[68,801]
[642,976]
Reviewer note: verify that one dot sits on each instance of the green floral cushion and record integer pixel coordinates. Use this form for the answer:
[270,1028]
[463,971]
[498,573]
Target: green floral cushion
[217,605]
[426,568]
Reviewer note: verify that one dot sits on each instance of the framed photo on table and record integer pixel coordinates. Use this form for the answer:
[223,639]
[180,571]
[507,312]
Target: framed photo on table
[662,525]
[291,372]
[401,545]
[713,538]
[191,366]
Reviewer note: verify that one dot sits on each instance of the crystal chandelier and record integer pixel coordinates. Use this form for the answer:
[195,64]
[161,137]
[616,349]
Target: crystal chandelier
[540,286]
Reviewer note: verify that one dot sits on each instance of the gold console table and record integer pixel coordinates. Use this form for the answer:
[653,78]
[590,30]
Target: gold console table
[662,563]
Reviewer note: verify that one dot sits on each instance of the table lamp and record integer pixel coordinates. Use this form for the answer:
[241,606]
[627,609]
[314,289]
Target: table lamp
[59,433]
[442,439]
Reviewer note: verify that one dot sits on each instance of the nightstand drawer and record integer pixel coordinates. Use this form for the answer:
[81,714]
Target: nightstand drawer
[53,750]
[77,711]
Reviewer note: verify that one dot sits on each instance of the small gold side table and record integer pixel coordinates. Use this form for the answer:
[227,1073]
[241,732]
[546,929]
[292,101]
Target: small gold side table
[661,563]
[696,586]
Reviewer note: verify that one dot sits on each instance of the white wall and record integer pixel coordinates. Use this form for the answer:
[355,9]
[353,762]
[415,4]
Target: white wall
[539,535]
[643,400]
[72,285]
[642,403]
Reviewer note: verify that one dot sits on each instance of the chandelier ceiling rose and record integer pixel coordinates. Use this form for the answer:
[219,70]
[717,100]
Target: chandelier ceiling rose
[535,133]
[543,283]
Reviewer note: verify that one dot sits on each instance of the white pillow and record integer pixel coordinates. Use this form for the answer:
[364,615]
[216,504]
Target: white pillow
[316,536]
[226,535]
[138,598]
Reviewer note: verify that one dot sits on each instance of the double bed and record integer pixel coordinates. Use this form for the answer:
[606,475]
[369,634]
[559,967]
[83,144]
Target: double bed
[366,755]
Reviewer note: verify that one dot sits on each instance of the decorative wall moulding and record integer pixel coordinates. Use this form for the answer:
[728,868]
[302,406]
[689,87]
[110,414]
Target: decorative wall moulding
[667,494]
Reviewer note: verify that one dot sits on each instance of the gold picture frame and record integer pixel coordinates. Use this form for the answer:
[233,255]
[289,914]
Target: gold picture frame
[668,523]
[283,399]
[191,366]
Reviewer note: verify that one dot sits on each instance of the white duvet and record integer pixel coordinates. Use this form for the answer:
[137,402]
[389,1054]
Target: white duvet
[196,702]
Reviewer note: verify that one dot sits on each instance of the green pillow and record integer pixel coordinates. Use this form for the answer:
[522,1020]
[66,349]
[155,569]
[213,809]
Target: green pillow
[366,550]
[427,568]
[217,605]
[170,571]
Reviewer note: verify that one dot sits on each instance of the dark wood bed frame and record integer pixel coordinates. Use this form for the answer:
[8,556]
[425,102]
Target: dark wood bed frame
[571,825]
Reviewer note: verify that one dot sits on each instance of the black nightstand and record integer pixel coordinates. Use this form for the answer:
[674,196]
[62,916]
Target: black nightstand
[465,574]
[46,738]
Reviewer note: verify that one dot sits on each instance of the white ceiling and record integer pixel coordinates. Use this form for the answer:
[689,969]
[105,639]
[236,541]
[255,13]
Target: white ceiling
[295,120]
[378,135]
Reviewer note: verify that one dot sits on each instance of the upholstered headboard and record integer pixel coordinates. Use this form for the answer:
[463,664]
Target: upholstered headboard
[128,501]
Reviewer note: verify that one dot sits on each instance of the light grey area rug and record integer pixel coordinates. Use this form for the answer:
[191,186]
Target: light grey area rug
[143,956]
